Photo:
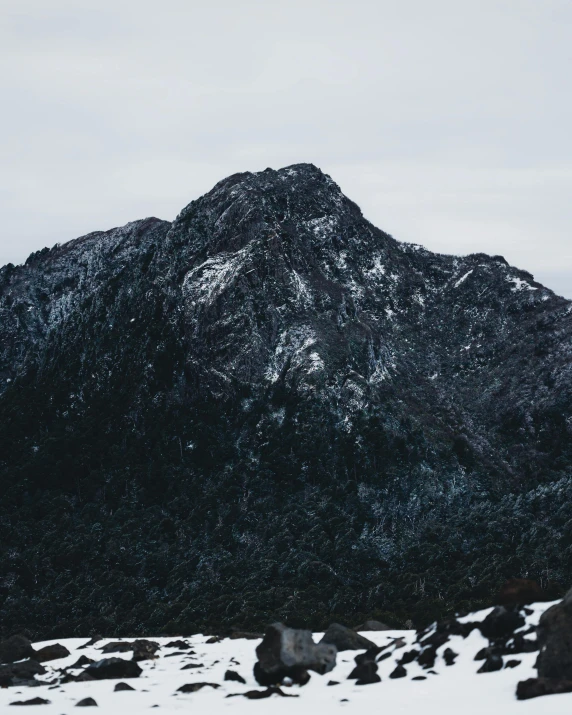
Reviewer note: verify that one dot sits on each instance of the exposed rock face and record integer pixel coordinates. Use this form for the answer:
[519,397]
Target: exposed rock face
[345,638]
[268,397]
[555,641]
[290,653]
[15,648]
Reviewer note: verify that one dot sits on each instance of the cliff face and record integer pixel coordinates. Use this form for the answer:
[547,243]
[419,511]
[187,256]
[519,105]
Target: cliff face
[270,408]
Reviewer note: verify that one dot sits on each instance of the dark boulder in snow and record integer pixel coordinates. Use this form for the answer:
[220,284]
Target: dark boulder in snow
[122,686]
[501,623]
[26,670]
[15,648]
[194,687]
[86,703]
[33,701]
[535,687]
[233,675]
[113,668]
[51,652]
[345,638]
[289,652]
[555,640]
[365,673]
[491,664]
[398,672]
[117,647]
[81,661]
[144,650]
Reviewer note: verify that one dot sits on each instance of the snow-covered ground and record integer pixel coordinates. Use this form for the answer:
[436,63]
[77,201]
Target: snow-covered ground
[447,689]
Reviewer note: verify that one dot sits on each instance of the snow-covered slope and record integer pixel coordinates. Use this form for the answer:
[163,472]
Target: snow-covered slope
[440,689]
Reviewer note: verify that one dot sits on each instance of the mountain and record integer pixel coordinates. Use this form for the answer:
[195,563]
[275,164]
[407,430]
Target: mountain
[271,409]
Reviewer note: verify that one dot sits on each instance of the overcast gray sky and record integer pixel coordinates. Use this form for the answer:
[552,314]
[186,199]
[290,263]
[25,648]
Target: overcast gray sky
[448,121]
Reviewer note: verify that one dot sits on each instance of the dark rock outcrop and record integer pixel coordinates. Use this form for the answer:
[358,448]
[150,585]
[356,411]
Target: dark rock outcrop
[113,668]
[15,648]
[233,675]
[345,638]
[119,687]
[554,635]
[51,652]
[535,687]
[290,653]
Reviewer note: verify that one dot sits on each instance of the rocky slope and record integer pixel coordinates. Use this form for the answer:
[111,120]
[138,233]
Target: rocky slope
[272,409]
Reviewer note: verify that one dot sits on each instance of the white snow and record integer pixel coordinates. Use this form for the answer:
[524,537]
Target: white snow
[463,278]
[451,690]
[519,284]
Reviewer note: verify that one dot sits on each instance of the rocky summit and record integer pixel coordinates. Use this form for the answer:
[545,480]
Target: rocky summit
[270,410]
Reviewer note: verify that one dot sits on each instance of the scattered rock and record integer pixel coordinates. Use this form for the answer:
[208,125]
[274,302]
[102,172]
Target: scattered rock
[449,656]
[555,641]
[518,591]
[117,647]
[190,666]
[259,694]
[512,663]
[119,687]
[235,635]
[193,687]
[369,655]
[345,639]
[233,675]
[289,652]
[419,677]
[86,703]
[213,639]
[383,656]
[427,657]
[365,673]
[181,645]
[51,652]
[399,672]
[373,626]
[144,650]
[91,641]
[33,701]
[491,664]
[535,687]
[409,656]
[113,668]
[501,623]
[26,670]
[15,648]
[81,661]
[333,682]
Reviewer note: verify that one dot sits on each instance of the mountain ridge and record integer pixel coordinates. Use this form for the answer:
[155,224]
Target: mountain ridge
[267,397]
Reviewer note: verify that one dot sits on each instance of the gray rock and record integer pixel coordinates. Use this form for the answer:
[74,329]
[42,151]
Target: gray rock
[290,652]
[15,648]
[554,635]
[113,668]
[345,639]
[373,626]
[51,652]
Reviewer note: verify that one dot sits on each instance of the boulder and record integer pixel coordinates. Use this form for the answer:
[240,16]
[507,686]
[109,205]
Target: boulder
[51,652]
[26,670]
[181,645]
[193,687]
[398,672]
[117,647]
[33,701]
[289,652]
[449,656]
[519,591]
[81,661]
[144,649]
[122,686]
[15,648]
[233,675]
[491,664]
[345,639]
[373,626]
[554,635]
[113,668]
[535,687]
[86,703]
[365,673]
[501,623]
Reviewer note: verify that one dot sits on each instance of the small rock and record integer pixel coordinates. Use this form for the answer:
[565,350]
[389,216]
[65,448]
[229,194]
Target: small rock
[419,677]
[235,635]
[113,668]
[119,687]
[491,664]
[259,694]
[365,673]
[86,703]
[512,663]
[409,656]
[117,647]
[345,639]
[449,656]
[189,666]
[233,675]
[15,648]
[333,682]
[51,652]
[91,641]
[213,639]
[383,656]
[144,650]
[399,672]
[193,687]
[181,645]
[33,701]
[81,661]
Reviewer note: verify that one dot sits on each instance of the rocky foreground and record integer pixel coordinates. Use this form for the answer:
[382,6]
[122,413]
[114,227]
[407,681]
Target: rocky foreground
[488,661]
